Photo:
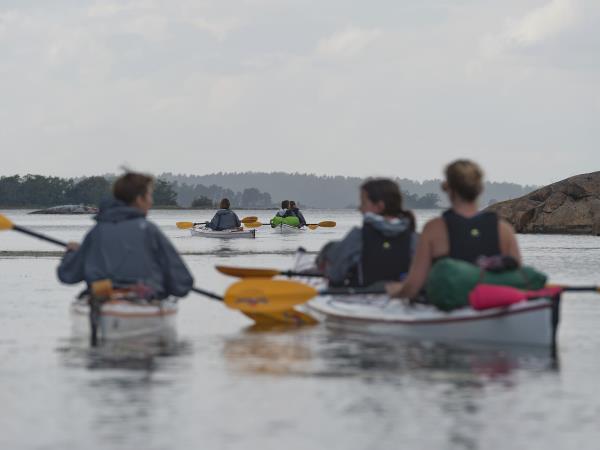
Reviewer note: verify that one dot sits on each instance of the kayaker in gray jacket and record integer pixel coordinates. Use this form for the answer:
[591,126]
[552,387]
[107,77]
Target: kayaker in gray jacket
[224,219]
[127,248]
[380,250]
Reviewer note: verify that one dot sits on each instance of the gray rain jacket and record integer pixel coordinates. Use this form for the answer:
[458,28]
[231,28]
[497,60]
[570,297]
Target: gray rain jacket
[224,219]
[127,249]
[341,257]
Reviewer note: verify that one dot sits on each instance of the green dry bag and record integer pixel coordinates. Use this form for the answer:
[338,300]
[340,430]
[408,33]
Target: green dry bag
[290,220]
[450,281]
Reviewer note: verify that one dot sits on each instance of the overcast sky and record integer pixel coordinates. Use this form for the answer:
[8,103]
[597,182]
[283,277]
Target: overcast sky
[396,87]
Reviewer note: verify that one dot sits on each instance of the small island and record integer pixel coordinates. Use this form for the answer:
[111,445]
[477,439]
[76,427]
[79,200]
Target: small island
[570,206]
[68,209]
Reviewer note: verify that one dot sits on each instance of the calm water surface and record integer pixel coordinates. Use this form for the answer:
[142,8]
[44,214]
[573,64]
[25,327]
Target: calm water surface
[223,385]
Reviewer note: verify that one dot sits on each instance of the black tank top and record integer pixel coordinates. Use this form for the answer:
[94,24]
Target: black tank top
[470,238]
[383,258]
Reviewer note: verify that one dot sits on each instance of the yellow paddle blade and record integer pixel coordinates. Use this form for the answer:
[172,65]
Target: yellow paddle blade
[259,295]
[253,225]
[327,224]
[185,225]
[286,318]
[313,226]
[242,272]
[249,219]
[5,223]
[102,288]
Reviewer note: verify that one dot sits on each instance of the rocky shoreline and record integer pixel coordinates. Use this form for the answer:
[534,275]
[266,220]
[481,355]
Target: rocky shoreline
[570,206]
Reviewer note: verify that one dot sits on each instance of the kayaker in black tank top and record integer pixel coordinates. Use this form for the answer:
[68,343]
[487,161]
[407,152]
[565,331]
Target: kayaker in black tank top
[463,232]
[472,237]
[379,251]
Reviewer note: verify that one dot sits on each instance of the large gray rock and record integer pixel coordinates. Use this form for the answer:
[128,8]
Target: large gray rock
[68,209]
[570,206]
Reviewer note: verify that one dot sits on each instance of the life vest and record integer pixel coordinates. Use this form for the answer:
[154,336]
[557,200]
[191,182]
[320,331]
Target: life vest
[472,237]
[383,258]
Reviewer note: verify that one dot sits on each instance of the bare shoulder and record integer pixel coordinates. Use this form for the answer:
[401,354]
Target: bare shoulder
[505,227]
[434,227]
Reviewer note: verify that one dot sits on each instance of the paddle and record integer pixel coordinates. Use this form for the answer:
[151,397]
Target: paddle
[7,224]
[312,226]
[188,225]
[243,272]
[485,296]
[249,296]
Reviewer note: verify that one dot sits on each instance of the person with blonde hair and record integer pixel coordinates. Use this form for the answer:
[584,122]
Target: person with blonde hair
[462,232]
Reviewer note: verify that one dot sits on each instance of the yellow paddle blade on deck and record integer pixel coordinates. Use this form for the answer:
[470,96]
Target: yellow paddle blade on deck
[184,225]
[253,224]
[5,223]
[243,272]
[259,295]
[327,224]
[249,219]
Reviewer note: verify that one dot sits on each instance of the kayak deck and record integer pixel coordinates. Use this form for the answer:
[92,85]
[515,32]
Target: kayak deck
[223,234]
[527,323]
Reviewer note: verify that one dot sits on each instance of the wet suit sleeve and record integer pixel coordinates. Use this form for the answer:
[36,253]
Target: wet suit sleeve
[71,268]
[301,218]
[344,256]
[178,279]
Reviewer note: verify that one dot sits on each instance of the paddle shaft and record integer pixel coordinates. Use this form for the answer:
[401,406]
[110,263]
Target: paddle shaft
[39,236]
[207,294]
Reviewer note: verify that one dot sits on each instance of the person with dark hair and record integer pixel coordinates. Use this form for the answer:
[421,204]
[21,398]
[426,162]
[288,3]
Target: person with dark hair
[379,251]
[225,218]
[296,211]
[127,248]
[285,209]
[463,232]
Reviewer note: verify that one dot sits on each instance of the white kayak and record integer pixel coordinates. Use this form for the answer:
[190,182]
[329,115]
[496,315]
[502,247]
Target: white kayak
[287,229]
[526,323]
[532,322]
[119,319]
[224,234]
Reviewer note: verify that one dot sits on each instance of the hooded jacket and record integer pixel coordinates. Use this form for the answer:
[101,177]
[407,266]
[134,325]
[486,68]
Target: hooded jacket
[342,257]
[224,219]
[127,249]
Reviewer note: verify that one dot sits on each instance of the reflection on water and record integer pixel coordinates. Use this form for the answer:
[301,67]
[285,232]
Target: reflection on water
[328,353]
[136,353]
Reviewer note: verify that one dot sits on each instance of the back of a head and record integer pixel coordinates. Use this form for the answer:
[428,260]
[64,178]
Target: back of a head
[129,186]
[465,178]
[388,192]
[292,204]
[285,204]
[225,204]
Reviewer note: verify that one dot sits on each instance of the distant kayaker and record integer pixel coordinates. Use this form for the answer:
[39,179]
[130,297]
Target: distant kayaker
[225,218]
[463,232]
[296,211]
[379,251]
[285,209]
[127,248]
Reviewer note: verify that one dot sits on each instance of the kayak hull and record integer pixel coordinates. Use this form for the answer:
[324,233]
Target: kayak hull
[287,229]
[122,319]
[224,234]
[527,323]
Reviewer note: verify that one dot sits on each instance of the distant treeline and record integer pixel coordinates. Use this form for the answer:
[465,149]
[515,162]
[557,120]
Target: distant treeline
[336,191]
[40,191]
